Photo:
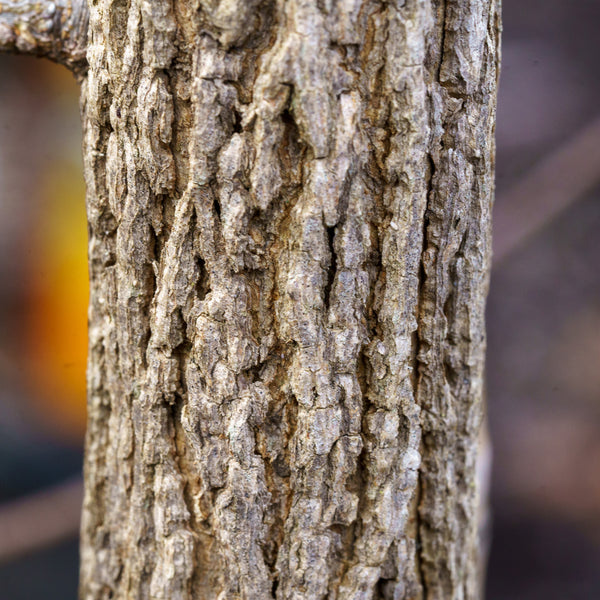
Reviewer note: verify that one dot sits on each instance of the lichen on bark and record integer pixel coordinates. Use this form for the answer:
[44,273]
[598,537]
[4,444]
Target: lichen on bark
[289,213]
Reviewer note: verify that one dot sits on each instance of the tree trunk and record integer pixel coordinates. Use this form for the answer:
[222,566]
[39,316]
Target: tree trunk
[289,214]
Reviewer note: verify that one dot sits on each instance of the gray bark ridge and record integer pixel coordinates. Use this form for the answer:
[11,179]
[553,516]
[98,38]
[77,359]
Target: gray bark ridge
[56,30]
[289,214]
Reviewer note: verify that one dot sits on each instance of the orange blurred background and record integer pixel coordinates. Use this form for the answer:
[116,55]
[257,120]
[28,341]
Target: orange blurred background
[57,294]
[55,278]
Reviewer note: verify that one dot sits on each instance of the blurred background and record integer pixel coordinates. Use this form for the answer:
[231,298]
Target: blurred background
[543,372]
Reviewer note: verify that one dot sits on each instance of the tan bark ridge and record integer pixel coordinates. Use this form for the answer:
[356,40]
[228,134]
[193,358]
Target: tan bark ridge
[289,212]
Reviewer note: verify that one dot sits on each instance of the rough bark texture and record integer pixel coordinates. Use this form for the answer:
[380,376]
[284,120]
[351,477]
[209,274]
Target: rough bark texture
[289,213]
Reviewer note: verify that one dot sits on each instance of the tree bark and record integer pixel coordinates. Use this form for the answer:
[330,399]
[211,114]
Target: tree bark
[289,216]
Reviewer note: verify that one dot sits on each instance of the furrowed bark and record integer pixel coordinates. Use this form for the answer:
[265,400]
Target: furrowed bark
[56,30]
[289,213]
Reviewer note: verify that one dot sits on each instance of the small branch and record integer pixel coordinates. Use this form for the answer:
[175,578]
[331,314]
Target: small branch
[56,30]
[40,520]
